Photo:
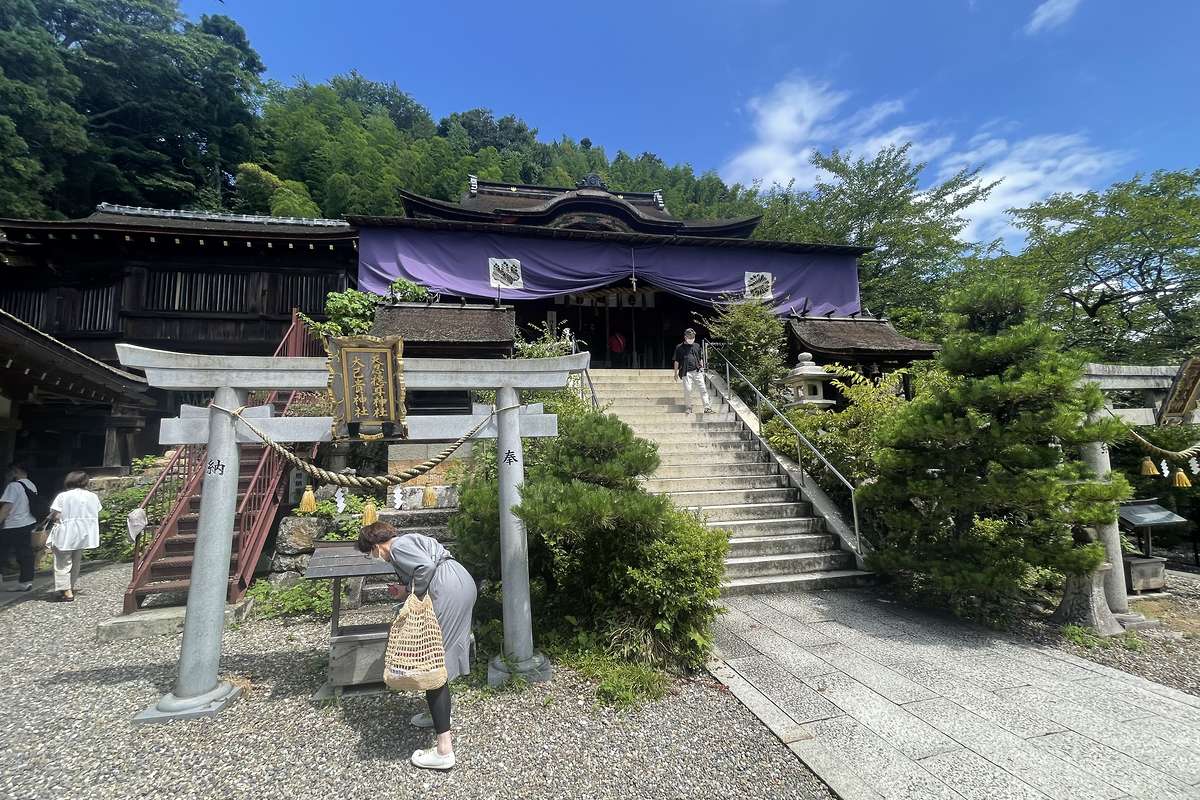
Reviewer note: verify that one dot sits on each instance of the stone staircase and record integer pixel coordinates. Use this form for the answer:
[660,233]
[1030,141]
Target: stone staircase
[712,464]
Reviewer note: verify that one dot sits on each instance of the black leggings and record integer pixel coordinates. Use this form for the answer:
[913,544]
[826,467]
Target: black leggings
[16,541]
[439,707]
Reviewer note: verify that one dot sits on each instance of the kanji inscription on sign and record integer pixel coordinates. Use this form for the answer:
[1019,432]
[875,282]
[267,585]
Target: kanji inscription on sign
[366,387]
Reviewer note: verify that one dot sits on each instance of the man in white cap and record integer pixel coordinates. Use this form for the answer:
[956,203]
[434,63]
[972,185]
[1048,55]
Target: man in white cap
[689,367]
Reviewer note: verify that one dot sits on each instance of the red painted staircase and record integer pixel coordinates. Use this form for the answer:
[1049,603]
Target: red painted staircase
[163,565]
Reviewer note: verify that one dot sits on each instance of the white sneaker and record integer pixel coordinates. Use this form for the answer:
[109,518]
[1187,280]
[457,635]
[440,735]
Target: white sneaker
[422,720]
[19,587]
[430,759]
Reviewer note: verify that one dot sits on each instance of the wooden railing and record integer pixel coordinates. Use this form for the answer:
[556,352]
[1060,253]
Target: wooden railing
[170,496]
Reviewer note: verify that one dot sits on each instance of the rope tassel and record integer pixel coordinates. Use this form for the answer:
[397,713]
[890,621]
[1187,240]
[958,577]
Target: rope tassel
[1181,479]
[308,503]
[1148,468]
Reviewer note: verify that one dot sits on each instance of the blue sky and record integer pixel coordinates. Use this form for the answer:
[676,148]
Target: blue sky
[1060,95]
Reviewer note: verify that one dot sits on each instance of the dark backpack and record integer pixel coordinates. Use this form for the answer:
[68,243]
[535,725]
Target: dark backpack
[39,508]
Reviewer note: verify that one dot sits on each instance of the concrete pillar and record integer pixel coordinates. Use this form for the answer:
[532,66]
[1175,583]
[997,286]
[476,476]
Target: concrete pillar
[1095,456]
[199,692]
[519,657]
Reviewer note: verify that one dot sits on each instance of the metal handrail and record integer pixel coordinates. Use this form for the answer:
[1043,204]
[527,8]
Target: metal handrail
[587,373]
[800,437]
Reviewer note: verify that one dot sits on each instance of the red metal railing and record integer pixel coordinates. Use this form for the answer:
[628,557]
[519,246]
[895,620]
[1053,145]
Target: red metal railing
[171,494]
[260,501]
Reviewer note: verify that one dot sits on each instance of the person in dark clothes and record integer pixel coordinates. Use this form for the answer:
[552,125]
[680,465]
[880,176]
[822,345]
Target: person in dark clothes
[17,522]
[689,367]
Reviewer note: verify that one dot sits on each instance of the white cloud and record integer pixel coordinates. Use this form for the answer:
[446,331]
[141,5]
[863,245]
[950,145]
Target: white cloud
[800,116]
[1029,170]
[1051,14]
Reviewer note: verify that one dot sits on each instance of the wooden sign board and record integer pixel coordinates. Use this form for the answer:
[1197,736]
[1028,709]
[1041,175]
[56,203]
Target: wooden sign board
[366,387]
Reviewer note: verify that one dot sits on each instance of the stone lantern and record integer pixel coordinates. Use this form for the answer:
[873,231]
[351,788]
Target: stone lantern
[808,381]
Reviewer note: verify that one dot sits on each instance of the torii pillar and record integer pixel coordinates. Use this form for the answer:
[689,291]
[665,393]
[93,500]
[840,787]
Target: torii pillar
[198,690]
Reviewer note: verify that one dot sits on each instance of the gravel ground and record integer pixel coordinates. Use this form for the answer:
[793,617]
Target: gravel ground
[1169,654]
[68,701]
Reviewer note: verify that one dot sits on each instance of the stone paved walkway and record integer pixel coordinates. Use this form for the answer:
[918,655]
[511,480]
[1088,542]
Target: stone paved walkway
[882,701]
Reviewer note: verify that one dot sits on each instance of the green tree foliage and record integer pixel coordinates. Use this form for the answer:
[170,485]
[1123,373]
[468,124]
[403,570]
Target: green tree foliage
[916,231]
[40,129]
[607,559]
[978,486]
[849,438]
[751,336]
[1120,269]
[159,108]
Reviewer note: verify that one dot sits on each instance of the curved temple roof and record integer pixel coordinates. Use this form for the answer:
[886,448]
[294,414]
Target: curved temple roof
[589,206]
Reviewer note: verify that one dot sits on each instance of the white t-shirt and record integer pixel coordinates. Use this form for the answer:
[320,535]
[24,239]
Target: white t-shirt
[78,525]
[14,495]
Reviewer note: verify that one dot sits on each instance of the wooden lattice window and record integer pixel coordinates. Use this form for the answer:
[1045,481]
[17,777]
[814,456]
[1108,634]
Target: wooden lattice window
[198,291]
[28,305]
[305,291]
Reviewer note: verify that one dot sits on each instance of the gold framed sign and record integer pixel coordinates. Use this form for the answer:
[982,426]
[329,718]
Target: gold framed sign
[366,387]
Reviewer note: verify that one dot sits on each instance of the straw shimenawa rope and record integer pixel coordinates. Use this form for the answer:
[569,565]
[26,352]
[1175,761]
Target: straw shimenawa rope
[358,481]
[1180,455]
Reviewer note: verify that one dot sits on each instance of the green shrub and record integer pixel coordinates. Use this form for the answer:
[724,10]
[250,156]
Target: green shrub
[114,528]
[978,485]
[752,337]
[624,566]
[402,291]
[848,438]
[305,599]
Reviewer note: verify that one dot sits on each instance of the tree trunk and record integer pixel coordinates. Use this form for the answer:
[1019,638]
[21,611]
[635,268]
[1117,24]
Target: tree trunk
[1084,604]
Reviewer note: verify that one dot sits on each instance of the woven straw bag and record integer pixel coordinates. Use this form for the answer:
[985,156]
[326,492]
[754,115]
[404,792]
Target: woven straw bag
[415,659]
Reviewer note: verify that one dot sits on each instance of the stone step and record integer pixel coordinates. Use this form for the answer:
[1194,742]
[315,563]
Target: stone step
[676,418]
[622,371]
[786,564]
[799,582]
[705,446]
[783,526]
[654,405]
[699,470]
[726,497]
[699,440]
[616,378]
[715,483]
[682,426]
[747,511]
[750,546]
[709,456]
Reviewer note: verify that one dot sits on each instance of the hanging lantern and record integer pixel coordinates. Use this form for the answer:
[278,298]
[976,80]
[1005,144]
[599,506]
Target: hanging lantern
[308,501]
[370,514]
[1181,480]
[1148,468]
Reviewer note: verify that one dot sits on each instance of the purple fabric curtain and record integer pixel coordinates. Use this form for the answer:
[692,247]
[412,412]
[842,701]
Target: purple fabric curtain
[456,263]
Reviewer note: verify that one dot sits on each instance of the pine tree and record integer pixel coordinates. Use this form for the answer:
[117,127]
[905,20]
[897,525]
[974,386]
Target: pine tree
[979,486]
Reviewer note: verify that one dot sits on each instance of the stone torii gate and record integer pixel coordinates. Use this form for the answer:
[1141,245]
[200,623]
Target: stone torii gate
[198,690]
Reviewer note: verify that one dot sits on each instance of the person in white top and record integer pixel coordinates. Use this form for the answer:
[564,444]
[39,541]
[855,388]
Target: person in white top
[17,523]
[75,527]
